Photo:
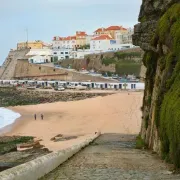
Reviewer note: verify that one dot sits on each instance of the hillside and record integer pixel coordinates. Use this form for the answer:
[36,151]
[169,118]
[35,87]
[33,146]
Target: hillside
[158,35]
[122,62]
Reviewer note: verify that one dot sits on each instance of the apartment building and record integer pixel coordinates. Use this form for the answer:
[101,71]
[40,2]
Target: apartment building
[64,42]
[104,43]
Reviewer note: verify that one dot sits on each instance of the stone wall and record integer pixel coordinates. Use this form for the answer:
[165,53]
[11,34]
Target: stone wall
[94,61]
[8,68]
[33,71]
[17,66]
[158,35]
[39,167]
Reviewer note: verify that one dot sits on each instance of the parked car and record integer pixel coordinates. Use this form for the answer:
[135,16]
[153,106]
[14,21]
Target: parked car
[70,86]
[31,87]
[81,87]
[59,88]
[38,86]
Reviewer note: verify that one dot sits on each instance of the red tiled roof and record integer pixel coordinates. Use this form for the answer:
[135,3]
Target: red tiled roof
[110,28]
[81,33]
[114,28]
[100,30]
[69,38]
[103,37]
[124,29]
[57,38]
[64,38]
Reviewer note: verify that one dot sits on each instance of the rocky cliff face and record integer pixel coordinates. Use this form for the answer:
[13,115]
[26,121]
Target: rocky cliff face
[158,34]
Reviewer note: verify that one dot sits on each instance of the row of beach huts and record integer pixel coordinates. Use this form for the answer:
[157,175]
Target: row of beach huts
[92,85]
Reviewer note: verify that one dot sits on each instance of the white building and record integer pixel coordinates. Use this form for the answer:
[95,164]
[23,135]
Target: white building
[40,52]
[105,43]
[40,55]
[64,42]
[39,59]
[124,38]
[80,54]
[62,54]
[88,38]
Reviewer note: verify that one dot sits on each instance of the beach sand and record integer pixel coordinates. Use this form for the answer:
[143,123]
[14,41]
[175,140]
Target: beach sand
[117,113]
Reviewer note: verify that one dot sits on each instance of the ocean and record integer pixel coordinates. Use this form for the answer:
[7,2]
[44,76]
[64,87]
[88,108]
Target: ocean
[7,117]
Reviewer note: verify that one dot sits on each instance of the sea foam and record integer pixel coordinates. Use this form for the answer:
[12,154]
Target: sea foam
[7,117]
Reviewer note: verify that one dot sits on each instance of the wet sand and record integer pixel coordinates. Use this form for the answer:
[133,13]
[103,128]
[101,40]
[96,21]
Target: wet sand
[117,113]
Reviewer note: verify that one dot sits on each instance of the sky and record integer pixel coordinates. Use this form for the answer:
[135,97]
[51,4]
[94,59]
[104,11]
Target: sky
[45,19]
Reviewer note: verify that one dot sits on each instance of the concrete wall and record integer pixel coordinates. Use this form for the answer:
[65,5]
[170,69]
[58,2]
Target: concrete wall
[33,71]
[37,168]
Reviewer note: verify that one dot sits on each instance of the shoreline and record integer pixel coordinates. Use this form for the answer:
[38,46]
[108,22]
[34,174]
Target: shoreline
[116,113]
[8,127]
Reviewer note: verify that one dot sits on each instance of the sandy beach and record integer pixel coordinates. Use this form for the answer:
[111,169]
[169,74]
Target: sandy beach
[117,113]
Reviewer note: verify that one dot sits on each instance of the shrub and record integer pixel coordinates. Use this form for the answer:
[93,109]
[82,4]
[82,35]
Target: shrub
[140,144]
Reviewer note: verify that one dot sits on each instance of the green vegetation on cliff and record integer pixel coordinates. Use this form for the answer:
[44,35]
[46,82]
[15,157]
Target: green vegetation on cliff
[169,115]
[163,81]
[124,62]
[140,144]
[170,122]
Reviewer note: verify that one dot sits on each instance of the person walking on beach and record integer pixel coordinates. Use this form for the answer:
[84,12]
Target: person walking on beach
[42,116]
[35,116]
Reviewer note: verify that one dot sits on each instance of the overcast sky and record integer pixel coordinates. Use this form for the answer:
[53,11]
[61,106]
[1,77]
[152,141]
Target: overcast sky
[47,18]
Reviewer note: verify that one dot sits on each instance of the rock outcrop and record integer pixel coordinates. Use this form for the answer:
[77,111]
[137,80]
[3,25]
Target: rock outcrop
[158,35]
[15,97]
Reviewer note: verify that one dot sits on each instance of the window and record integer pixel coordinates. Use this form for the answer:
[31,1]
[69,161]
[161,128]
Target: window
[55,52]
[66,53]
[62,52]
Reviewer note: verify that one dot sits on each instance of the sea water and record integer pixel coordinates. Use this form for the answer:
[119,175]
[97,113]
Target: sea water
[7,117]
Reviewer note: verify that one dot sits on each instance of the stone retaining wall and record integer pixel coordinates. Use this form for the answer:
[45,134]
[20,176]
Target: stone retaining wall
[36,71]
[37,168]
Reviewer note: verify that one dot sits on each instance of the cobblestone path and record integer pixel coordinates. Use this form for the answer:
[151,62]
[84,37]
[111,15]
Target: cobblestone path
[113,157]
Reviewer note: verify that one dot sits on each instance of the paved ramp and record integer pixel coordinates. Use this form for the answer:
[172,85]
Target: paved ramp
[113,157]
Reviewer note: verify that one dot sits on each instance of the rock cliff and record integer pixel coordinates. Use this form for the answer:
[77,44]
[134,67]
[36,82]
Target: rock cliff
[158,34]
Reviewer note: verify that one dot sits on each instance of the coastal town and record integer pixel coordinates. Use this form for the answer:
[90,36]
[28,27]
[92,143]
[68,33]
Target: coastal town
[100,102]
[120,62]
[76,46]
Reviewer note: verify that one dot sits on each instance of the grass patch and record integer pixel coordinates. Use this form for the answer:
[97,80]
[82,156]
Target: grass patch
[8,144]
[140,144]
